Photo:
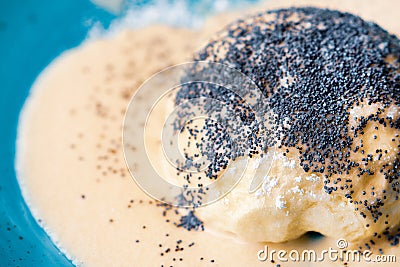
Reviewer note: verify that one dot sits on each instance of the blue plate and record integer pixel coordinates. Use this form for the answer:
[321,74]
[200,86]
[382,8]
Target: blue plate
[32,33]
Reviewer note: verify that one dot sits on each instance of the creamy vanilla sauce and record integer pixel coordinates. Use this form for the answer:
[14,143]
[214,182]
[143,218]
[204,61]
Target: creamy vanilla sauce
[71,167]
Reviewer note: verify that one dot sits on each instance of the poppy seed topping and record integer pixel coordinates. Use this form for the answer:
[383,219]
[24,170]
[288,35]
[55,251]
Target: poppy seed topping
[332,82]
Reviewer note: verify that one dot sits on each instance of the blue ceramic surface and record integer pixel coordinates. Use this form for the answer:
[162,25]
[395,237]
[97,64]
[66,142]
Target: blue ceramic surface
[32,33]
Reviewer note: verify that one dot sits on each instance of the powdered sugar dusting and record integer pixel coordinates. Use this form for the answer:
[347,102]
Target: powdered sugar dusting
[297,189]
[313,177]
[298,179]
[267,186]
[280,202]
